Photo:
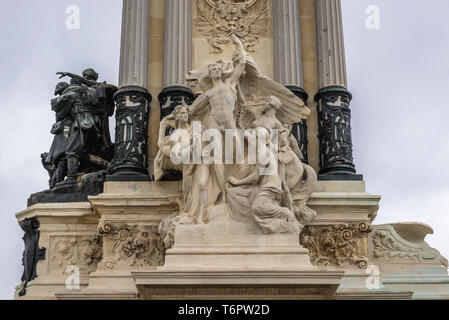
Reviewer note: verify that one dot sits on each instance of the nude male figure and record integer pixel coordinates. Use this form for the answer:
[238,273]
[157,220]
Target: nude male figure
[222,101]
[222,98]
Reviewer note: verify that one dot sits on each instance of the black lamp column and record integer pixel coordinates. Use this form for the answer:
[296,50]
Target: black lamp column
[132,99]
[333,97]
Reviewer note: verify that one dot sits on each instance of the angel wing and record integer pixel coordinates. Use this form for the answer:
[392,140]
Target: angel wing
[255,87]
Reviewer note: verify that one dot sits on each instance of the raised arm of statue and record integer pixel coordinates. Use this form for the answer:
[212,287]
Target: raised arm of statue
[199,105]
[72,75]
[239,59]
[168,121]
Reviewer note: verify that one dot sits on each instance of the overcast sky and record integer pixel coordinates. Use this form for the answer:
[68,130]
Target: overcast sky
[398,74]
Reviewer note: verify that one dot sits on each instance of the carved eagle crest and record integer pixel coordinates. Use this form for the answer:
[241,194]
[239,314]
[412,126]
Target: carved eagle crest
[219,19]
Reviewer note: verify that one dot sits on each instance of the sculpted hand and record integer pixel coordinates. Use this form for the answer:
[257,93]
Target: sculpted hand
[233,181]
[61,74]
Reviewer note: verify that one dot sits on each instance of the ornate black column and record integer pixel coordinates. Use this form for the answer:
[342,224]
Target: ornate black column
[334,123]
[174,96]
[131,135]
[333,97]
[299,130]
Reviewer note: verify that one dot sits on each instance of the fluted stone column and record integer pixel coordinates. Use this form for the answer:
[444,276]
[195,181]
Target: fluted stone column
[288,61]
[177,62]
[177,56]
[133,99]
[333,98]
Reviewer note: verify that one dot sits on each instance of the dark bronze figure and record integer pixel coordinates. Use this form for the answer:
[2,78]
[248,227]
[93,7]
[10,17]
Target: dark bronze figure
[82,144]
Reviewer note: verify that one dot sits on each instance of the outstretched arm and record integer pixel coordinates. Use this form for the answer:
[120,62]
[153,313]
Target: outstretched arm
[239,59]
[72,75]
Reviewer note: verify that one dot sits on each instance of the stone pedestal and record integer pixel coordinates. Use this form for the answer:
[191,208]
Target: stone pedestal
[68,232]
[225,259]
[129,215]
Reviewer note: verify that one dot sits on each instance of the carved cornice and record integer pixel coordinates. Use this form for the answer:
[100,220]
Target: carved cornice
[389,245]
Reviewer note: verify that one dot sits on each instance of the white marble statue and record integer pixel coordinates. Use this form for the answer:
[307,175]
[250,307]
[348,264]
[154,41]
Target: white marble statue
[237,97]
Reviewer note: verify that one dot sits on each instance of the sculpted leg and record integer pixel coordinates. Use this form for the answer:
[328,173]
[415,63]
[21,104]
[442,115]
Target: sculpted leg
[72,172]
[203,180]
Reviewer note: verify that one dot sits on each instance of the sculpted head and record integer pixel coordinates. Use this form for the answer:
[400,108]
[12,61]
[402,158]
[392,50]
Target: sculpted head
[215,70]
[181,114]
[271,102]
[90,74]
[60,87]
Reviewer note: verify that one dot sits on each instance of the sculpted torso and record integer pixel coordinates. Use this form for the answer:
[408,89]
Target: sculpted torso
[222,101]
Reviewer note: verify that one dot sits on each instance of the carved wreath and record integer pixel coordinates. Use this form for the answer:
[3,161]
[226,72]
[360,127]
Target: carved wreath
[219,19]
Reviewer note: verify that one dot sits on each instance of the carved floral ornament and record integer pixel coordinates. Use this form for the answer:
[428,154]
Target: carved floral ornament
[83,251]
[336,244]
[138,246]
[219,19]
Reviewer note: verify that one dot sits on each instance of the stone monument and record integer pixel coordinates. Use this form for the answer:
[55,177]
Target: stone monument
[239,183]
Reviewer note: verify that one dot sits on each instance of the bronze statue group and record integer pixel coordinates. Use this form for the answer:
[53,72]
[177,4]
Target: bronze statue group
[82,142]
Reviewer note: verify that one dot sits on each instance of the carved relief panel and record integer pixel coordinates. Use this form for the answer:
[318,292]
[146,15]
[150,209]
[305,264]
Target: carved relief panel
[214,21]
[84,252]
[131,246]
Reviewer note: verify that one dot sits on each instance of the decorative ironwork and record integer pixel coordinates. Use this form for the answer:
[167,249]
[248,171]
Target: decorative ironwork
[334,120]
[32,253]
[131,134]
[174,96]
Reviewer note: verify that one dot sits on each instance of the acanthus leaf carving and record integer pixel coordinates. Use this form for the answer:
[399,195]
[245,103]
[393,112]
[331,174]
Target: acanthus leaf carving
[388,244]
